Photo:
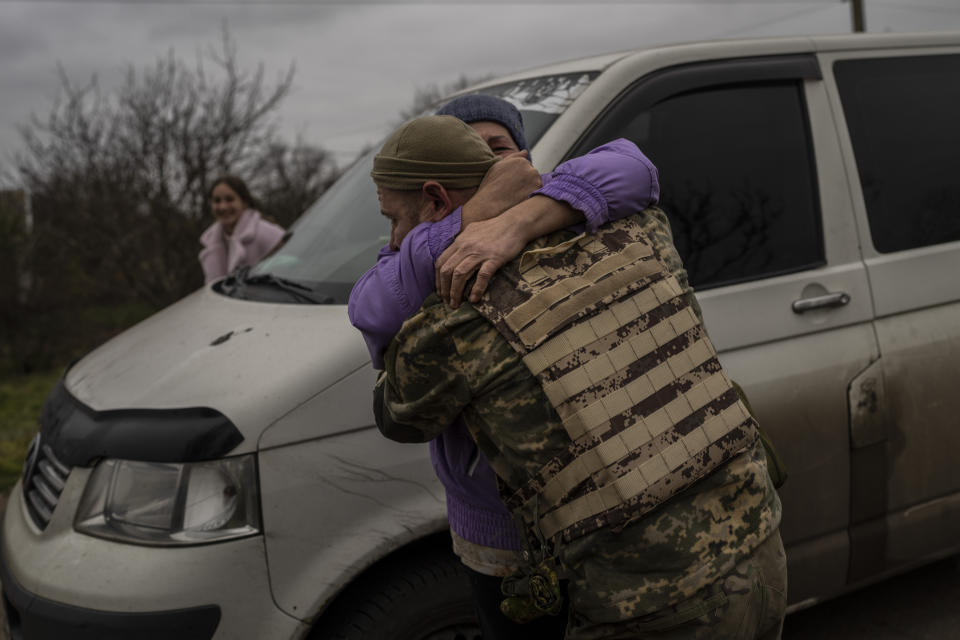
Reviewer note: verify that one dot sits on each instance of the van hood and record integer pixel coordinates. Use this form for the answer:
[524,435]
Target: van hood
[250,361]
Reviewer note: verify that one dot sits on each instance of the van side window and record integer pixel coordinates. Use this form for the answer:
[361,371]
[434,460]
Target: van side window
[737,179]
[902,114]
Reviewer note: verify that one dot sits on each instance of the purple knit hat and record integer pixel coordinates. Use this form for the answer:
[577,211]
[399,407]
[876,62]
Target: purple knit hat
[477,106]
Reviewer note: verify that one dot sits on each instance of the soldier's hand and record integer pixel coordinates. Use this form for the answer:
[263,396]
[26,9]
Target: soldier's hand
[483,247]
[508,182]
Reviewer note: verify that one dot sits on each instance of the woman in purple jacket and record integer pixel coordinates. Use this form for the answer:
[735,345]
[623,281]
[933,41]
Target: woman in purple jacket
[608,183]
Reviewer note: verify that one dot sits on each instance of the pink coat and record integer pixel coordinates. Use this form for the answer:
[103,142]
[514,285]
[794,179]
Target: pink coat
[251,240]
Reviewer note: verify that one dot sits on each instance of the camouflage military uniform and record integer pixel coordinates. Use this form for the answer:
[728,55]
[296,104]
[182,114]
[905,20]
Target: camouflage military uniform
[690,563]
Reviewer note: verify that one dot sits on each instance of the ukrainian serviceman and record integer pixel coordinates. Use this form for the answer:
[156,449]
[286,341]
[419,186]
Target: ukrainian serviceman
[591,388]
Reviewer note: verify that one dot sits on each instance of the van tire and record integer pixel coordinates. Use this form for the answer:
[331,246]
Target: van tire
[417,596]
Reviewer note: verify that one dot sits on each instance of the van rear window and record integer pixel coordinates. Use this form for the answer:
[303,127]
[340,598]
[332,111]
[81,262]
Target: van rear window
[902,114]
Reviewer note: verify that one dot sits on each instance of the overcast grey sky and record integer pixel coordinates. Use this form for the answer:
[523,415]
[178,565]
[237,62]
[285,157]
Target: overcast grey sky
[357,64]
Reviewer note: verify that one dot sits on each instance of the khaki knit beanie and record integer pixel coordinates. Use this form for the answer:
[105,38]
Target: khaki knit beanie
[440,148]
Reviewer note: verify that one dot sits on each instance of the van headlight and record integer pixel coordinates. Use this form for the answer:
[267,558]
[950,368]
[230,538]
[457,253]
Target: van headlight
[156,503]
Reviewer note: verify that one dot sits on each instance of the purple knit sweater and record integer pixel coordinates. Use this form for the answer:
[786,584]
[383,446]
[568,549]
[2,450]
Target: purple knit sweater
[610,182]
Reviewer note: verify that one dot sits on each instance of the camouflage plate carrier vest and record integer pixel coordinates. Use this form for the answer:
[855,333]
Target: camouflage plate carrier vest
[612,338]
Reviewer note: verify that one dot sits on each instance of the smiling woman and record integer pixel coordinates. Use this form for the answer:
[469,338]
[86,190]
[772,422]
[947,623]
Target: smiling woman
[240,237]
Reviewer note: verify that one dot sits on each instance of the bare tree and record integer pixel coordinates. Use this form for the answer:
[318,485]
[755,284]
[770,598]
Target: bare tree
[289,179]
[120,179]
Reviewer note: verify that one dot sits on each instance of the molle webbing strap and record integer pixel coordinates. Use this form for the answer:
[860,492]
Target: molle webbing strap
[555,305]
[622,357]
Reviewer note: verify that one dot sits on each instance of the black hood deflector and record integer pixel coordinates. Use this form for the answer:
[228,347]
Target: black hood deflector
[79,435]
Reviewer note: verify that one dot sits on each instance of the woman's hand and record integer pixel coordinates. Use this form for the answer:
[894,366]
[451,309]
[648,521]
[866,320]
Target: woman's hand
[484,247]
[487,245]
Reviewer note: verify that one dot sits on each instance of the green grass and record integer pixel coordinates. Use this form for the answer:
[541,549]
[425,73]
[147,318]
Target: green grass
[21,398]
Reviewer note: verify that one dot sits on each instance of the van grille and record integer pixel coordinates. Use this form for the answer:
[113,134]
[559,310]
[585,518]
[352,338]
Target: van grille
[43,480]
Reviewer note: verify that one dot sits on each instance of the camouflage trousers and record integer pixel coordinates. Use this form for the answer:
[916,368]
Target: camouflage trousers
[746,604]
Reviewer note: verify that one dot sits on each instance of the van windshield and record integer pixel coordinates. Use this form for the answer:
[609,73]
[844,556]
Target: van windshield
[331,245]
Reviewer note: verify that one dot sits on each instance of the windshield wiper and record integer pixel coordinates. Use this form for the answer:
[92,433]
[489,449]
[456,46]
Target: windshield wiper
[240,279]
[296,289]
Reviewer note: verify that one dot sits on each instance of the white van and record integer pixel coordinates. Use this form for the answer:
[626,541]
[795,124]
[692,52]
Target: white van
[214,472]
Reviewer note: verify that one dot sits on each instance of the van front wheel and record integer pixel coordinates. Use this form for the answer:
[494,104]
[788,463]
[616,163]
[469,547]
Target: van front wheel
[422,596]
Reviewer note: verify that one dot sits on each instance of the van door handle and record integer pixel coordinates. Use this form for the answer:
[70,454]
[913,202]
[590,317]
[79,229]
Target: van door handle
[820,302]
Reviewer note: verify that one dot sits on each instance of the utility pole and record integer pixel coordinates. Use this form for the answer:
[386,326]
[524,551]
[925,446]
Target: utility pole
[856,13]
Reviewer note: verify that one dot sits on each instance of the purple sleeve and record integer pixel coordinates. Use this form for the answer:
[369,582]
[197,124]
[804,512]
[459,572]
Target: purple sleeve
[394,288]
[612,181]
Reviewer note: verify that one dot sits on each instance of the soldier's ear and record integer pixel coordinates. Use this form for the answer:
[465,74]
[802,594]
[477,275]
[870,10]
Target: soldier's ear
[436,202]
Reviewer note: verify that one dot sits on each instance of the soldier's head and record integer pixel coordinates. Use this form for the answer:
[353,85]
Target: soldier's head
[426,169]
[497,121]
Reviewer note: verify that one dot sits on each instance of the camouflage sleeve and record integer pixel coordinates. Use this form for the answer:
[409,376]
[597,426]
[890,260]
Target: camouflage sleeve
[390,428]
[423,387]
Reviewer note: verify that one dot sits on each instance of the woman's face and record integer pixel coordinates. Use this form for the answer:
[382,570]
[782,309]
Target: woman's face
[226,205]
[496,136]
